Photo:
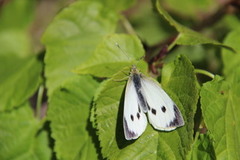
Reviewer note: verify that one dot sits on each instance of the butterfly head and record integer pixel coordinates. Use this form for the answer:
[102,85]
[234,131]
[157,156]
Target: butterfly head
[134,70]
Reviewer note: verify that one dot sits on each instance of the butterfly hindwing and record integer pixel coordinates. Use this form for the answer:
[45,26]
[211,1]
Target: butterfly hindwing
[163,113]
[134,119]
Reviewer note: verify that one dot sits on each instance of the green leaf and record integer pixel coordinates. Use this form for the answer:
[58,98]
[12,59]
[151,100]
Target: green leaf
[148,26]
[219,102]
[21,11]
[181,86]
[41,147]
[196,53]
[186,36]
[230,60]
[20,71]
[202,149]
[68,112]
[179,77]
[18,136]
[20,78]
[191,8]
[73,36]
[230,21]
[121,5]
[109,58]
[15,42]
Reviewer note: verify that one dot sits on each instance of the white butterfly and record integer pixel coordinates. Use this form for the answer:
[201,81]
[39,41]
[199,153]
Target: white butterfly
[144,95]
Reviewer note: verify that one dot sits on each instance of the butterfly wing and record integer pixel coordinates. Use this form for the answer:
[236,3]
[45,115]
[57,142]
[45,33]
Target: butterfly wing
[163,113]
[134,120]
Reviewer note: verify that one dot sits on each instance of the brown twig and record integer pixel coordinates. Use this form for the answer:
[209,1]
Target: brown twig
[157,53]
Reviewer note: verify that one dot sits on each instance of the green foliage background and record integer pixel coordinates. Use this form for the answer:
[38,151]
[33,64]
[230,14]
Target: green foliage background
[62,77]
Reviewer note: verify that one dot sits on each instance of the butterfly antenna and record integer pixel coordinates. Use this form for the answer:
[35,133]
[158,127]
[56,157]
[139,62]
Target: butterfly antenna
[122,50]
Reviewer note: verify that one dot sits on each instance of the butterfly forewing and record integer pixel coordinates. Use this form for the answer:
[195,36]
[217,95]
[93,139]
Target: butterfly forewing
[134,119]
[163,113]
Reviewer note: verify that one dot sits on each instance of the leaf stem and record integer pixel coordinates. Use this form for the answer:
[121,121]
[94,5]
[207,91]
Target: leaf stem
[173,43]
[39,101]
[204,72]
[127,25]
[196,136]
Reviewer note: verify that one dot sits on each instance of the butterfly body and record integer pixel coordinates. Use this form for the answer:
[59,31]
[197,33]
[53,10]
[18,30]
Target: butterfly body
[144,95]
[136,77]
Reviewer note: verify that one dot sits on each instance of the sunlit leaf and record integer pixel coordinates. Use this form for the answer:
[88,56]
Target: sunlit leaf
[219,99]
[19,137]
[73,36]
[115,52]
[68,113]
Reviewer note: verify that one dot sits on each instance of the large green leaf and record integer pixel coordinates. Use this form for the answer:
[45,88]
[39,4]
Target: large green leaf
[109,57]
[179,77]
[19,137]
[180,83]
[230,60]
[221,113]
[19,79]
[72,37]
[68,113]
[186,36]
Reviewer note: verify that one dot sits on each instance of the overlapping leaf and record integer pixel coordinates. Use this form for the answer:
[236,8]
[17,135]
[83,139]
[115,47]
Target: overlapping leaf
[179,77]
[19,137]
[111,55]
[68,112]
[73,36]
[219,102]
[19,72]
[202,148]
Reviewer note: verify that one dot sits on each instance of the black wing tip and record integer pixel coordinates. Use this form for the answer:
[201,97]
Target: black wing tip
[129,135]
[178,120]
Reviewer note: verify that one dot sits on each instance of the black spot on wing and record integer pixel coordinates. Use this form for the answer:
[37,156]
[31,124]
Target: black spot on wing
[127,132]
[154,111]
[139,110]
[138,115]
[132,118]
[163,109]
[178,120]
